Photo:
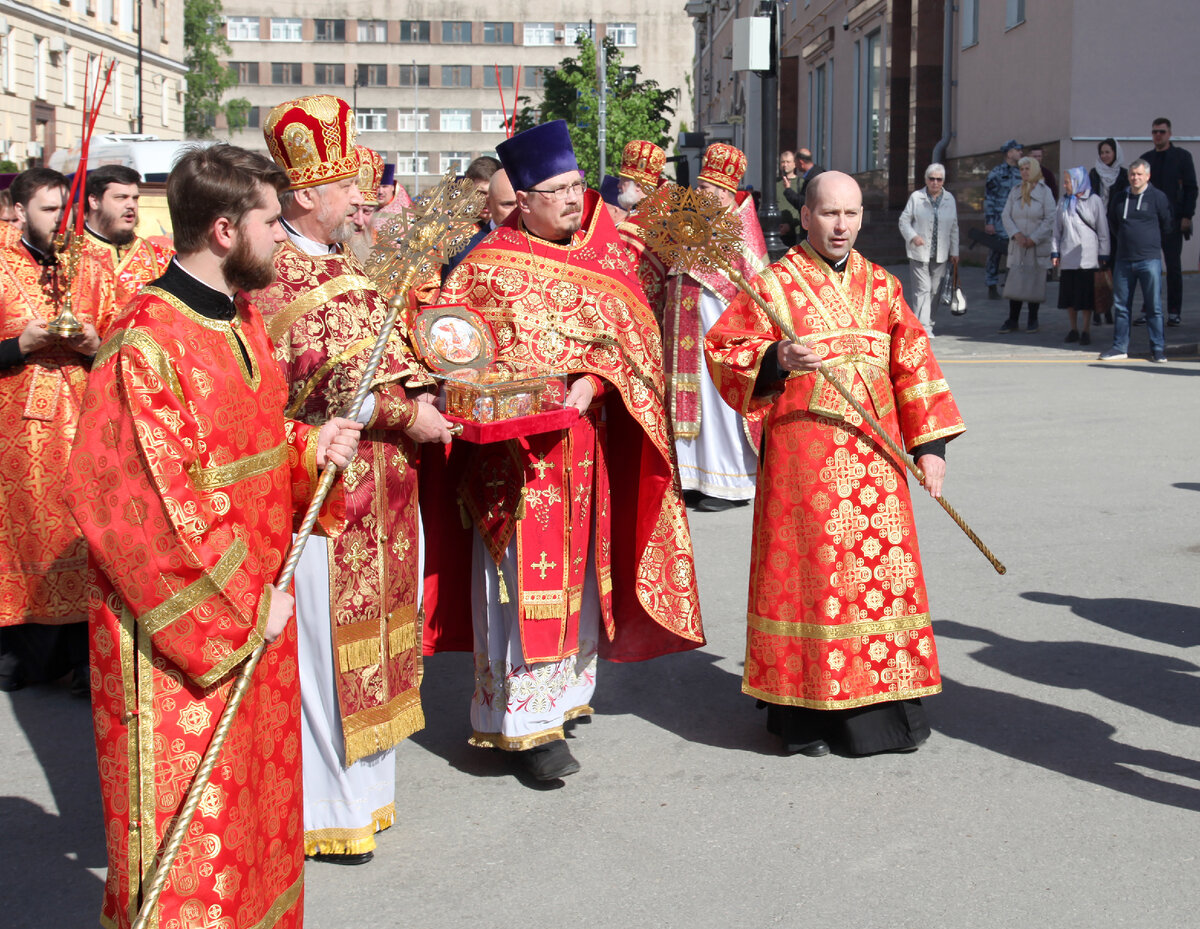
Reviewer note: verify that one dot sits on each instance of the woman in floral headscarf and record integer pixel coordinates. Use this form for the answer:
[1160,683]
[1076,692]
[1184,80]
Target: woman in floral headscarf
[1079,248]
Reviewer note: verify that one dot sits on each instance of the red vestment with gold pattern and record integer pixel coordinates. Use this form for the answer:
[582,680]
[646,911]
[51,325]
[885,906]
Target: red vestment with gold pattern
[683,331]
[651,272]
[186,480]
[578,308]
[323,313]
[838,616]
[43,558]
[132,266]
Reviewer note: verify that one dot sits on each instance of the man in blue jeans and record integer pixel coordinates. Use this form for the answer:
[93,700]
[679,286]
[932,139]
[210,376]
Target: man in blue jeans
[1140,218]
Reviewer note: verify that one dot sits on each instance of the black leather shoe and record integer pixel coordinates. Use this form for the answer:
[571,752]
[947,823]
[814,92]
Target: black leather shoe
[12,677]
[1175,320]
[813,749]
[993,292]
[717,505]
[550,761]
[331,858]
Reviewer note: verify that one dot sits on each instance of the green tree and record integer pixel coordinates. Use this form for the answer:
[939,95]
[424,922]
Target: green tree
[207,78]
[636,109]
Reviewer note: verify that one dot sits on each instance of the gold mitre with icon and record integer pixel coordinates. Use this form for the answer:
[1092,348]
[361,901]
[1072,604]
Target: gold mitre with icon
[312,139]
[370,173]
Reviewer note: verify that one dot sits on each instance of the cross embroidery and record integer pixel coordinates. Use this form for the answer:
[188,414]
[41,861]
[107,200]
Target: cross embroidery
[543,566]
[541,466]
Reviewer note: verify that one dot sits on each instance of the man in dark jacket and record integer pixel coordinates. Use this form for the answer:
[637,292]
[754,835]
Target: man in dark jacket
[806,170]
[1140,217]
[1174,174]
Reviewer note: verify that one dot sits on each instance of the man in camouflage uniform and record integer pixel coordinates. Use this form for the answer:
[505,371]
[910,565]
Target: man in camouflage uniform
[1000,180]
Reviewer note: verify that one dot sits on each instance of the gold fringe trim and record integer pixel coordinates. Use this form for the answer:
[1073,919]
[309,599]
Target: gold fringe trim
[769,697]
[519,744]
[382,736]
[349,841]
[402,639]
[584,710]
[354,655]
[544,611]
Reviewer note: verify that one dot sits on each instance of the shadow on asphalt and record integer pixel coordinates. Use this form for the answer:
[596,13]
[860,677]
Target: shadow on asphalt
[45,879]
[1169,623]
[1187,486]
[1149,368]
[1061,740]
[1118,674]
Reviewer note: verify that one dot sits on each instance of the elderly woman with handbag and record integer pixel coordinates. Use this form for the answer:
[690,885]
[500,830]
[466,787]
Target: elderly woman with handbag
[1029,218]
[1079,249]
[929,225]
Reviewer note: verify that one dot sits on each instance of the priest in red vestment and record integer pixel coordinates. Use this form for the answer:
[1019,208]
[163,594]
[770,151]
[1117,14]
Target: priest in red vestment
[716,448]
[43,558]
[839,642]
[640,175]
[356,594]
[111,228]
[186,479]
[582,544]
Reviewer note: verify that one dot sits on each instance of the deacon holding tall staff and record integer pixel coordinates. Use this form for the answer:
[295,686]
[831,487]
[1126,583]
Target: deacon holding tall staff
[839,643]
[185,478]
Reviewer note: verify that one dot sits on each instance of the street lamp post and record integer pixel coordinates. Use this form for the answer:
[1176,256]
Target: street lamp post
[768,215]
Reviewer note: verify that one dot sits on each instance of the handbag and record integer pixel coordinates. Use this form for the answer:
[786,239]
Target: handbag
[945,293]
[958,305]
[1026,281]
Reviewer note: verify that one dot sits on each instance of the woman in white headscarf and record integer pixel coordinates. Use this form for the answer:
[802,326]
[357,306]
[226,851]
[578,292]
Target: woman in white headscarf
[1029,218]
[1108,178]
[1080,246]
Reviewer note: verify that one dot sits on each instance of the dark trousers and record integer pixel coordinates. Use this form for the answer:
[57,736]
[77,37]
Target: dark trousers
[1172,247]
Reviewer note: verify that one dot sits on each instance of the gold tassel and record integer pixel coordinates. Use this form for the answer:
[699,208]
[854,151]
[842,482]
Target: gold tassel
[521,505]
[503,588]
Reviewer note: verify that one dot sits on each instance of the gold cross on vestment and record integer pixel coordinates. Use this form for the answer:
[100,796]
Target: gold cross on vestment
[541,466]
[586,464]
[543,566]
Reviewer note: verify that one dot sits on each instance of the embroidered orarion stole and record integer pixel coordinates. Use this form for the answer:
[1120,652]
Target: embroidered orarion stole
[132,266]
[186,480]
[579,308]
[323,314]
[838,615]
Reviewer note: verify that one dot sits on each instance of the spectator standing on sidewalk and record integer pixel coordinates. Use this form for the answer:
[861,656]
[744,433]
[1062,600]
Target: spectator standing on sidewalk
[1000,180]
[1029,218]
[929,225]
[1140,217]
[1107,178]
[1079,248]
[1174,174]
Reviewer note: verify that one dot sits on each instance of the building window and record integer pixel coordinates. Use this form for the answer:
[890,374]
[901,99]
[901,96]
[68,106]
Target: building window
[1015,13]
[533,77]
[165,102]
[242,28]
[329,30]
[492,121]
[873,110]
[506,76]
[572,31]
[371,120]
[412,122]
[125,16]
[455,121]
[328,74]
[456,32]
[970,23]
[456,75]
[414,75]
[372,30]
[624,35]
[454,161]
[287,72]
[539,33]
[246,72]
[254,118]
[414,30]
[118,99]
[372,75]
[497,33]
[411,165]
[68,76]
[285,30]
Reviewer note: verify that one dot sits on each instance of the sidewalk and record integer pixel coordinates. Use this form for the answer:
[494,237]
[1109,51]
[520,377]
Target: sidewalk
[976,330]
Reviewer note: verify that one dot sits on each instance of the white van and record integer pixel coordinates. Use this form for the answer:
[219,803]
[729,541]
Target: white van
[149,155]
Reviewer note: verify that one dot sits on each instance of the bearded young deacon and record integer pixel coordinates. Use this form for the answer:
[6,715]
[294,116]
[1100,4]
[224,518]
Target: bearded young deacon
[43,558]
[110,224]
[185,479]
[716,448]
[839,642]
[356,594]
[580,541]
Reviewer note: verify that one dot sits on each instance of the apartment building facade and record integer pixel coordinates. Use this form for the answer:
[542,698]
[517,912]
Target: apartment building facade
[432,90]
[48,46]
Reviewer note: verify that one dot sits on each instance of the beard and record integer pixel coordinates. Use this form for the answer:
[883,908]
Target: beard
[107,225]
[629,198]
[245,270]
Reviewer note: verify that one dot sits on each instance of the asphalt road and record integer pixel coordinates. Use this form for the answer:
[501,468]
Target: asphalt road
[1061,787]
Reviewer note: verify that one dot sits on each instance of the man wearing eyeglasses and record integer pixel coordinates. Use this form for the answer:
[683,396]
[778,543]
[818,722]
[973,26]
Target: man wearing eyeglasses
[1174,174]
[580,541]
